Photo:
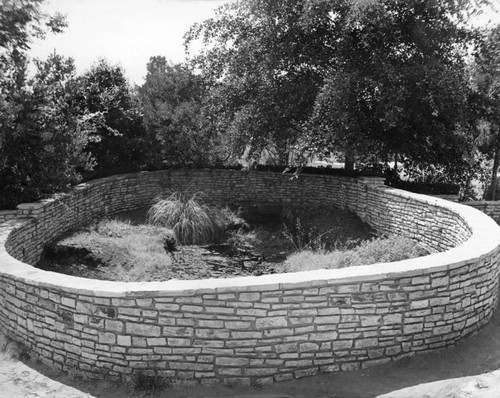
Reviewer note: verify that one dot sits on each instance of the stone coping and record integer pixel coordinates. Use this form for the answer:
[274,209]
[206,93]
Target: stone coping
[484,239]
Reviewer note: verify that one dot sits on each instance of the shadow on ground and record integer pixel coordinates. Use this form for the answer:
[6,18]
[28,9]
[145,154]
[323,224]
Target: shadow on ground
[467,370]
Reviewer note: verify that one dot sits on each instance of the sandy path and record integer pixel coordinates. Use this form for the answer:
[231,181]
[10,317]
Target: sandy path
[19,380]
[469,370]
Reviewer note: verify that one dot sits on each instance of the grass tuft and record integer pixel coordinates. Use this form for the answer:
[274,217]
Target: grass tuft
[193,222]
[127,252]
[146,384]
[9,349]
[377,250]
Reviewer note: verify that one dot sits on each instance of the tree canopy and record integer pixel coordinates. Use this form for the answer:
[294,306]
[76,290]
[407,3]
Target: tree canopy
[44,132]
[486,73]
[385,77]
[264,61]
[372,80]
[120,138]
[400,85]
[176,115]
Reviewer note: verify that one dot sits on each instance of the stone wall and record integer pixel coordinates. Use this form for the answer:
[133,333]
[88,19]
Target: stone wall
[249,329]
[490,207]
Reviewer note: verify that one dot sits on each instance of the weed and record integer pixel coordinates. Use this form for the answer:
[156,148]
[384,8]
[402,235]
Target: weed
[242,240]
[10,349]
[304,238]
[142,383]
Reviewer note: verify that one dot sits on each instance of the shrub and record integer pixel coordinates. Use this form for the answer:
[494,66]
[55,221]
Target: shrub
[378,250]
[192,221]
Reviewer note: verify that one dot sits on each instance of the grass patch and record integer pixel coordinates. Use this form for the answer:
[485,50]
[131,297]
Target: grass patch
[377,250]
[193,222]
[112,250]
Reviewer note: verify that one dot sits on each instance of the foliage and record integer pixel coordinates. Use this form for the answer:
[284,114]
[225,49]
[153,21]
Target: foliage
[44,131]
[192,221]
[120,138]
[399,87]
[486,74]
[172,101]
[263,60]
[377,79]
[379,250]
[438,188]
[20,21]
[9,349]
[115,250]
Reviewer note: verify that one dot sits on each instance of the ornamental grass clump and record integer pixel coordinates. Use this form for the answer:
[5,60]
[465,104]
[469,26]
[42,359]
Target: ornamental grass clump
[193,222]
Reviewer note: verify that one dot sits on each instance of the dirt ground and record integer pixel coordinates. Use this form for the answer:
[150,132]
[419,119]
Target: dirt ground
[469,370]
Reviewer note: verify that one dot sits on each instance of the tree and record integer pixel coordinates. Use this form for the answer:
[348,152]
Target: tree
[20,22]
[173,104]
[44,131]
[399,86]
[487,81]
[263,61]
[41,138]
[120,139]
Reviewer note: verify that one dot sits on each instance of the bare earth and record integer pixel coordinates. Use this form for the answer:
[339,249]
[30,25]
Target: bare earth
[469,370]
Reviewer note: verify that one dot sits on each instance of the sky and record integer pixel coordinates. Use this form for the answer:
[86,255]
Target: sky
[129,32]
[126,32]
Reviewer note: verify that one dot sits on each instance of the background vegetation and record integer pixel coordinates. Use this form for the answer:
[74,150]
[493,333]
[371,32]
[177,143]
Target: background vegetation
[400,84]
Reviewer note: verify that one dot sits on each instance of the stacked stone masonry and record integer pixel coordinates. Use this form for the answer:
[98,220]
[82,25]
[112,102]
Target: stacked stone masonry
[250,329]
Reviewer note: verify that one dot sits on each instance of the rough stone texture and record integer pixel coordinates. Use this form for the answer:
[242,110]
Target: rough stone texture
[250,329]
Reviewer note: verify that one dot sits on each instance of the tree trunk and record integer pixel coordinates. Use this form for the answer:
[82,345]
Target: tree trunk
[394,176]
[494,173]
[349,159]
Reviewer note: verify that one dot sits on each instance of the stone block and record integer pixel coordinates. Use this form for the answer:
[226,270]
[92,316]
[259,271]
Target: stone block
[365,343]
[178,342]
[237,325]
[106,338]
[140,329]
[323,336]
[124,340]
[327,319]
[249,296]
[232,361]
[271,322]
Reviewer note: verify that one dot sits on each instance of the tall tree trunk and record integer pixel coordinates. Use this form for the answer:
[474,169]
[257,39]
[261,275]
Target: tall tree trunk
[349,159]
[394,176]
[494,174]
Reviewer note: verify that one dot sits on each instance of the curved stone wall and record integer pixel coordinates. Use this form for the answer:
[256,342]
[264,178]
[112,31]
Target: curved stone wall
[249,329]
